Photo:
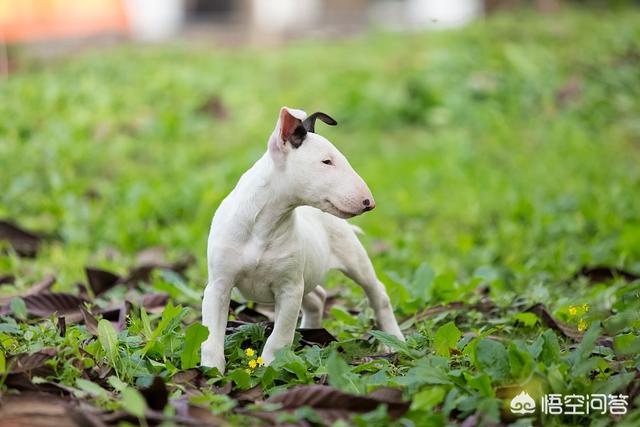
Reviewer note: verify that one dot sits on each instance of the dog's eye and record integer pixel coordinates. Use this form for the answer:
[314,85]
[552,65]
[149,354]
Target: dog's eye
[327,162]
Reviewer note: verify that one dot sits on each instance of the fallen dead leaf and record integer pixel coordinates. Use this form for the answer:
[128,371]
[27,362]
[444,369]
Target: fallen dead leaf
[601,273]
[333,404]
[100,280]
[44,410]
[22,367]
[319,336]
[251,395]
[7,279]
[42,286]
[25,243]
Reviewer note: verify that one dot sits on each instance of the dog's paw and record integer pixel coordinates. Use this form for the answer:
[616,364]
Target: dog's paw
[212,359]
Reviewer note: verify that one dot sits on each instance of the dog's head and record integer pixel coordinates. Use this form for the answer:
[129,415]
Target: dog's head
[312,169]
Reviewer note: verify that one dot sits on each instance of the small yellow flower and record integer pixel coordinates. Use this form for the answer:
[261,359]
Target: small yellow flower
[582,325]
[573,310]
[585,307]
[260,361]
[249,352]
[252,364]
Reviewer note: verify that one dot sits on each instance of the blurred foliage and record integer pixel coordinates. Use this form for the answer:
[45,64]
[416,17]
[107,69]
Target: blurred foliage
[503,155]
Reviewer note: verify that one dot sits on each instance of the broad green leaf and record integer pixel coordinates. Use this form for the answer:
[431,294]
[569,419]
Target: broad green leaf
[584,349]
[91,388]
[392,342]
[287,360]
[492,358]
[19,308]
[241,378]
[520,361]
[108,339]
[340,375]
[526,318]
[343,316]
[614,383]
[550,349]
[422,281]
[446,337]
[195,335]
[116,383]
[426,399]
[169,314]
[432,370]
[146,324]
[482,383]
[627,344]
[133,402]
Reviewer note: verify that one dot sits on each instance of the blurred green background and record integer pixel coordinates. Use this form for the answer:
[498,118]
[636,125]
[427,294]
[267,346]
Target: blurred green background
[511,145]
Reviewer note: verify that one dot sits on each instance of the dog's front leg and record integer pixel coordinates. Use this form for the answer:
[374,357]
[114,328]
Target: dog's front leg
[288,301]
[215,312]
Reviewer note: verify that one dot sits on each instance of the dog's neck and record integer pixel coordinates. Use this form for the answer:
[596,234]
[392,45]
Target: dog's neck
[268,207]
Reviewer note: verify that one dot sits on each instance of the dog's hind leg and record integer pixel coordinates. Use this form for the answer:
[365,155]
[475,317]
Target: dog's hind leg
[353,261]
[313,308]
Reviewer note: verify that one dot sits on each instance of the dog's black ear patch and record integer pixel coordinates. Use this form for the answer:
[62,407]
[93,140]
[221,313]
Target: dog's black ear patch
[298,136]
[310,122]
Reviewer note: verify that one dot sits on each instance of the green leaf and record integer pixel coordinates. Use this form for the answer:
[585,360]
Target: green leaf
[133,402]
[340,375]
[426,399]
[550,352]
[446,337]
[520,361]
[146,324]
[392,342]
[287,360]
[585,348]
[108,339]
[482,383]
[422,280]
[492,358]
[626,344]
[430,370]
[241,378]
[3,362]
[169,314]
[526,318]
[91,388]
[19,308]
[195,335]
[116,383]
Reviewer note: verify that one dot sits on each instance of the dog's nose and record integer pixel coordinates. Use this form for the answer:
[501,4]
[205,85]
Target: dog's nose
[368,205]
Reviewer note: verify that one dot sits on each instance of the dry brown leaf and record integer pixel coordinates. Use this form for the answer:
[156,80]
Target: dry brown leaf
[25,243]
[334,404]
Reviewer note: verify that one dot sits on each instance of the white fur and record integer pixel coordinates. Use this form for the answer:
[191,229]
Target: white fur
[276,235]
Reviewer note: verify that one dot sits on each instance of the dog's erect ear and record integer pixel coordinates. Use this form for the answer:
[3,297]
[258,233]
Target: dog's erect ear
[291,128]
[310,122]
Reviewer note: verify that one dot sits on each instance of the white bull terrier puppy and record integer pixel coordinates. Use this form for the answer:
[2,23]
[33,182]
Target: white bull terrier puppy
[281,229]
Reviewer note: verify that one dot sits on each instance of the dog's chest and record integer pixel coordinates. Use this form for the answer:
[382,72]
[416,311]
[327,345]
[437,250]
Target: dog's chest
[264,265]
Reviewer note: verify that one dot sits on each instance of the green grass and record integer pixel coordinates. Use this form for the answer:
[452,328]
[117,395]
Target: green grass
[488,166]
